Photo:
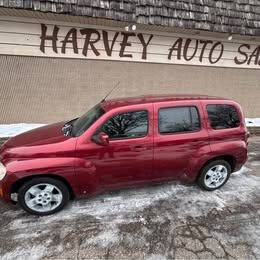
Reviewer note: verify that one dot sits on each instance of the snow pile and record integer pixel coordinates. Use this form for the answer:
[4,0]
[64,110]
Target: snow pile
[253,122]
[15,129]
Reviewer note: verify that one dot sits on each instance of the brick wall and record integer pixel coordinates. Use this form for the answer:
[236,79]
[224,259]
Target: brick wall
[45,90]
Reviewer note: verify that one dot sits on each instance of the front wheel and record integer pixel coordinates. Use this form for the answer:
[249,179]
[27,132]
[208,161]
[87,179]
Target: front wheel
[43,196]
[214,175]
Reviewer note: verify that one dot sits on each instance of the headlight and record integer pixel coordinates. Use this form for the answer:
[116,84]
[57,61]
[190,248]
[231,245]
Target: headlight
[2,171]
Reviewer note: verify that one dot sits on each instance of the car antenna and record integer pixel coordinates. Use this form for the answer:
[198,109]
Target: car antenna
[104,99]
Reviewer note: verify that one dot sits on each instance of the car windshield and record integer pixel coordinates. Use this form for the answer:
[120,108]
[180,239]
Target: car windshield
[86,120]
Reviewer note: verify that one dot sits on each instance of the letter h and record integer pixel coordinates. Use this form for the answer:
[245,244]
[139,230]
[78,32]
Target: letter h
[53,38]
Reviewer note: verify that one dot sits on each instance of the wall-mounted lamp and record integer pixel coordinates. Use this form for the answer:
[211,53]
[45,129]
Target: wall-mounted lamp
[131,27]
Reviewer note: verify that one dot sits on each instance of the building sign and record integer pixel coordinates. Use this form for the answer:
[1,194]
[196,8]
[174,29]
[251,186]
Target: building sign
[188,50]
[86,42]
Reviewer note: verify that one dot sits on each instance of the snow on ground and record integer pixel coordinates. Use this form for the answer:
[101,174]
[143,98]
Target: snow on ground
[253,122]
[9,130]
[189,201]
[30,253]
[104,216]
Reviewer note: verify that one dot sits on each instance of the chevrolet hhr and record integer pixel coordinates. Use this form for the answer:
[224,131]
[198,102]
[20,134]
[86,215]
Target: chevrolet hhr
[121,143]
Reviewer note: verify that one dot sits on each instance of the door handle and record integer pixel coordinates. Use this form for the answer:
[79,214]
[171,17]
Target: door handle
[139,148]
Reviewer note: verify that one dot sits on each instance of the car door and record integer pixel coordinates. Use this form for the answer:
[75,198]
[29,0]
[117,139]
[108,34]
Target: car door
[179,138]
[127,159]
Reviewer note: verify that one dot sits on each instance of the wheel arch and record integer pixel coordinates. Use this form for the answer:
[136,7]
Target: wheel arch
[19,183]
[228,158]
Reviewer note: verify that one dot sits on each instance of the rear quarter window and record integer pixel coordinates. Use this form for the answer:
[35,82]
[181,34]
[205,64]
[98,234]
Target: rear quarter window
[223,116]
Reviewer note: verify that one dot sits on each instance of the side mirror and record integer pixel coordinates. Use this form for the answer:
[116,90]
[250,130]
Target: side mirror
[101,138]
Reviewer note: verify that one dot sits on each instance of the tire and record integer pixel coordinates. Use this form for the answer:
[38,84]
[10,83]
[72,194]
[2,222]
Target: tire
[207,173]
[33,199]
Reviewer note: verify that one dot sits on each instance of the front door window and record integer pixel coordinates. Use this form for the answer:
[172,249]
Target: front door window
[127,125]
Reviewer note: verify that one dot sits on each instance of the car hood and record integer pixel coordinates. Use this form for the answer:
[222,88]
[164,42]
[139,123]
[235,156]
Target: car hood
[42,135]
[45,139]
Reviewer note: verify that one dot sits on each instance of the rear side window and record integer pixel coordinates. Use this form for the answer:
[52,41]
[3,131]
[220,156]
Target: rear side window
[223,116]
[127,125]
[178,119]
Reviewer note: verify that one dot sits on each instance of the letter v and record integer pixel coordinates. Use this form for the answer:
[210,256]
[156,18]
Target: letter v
[106,43]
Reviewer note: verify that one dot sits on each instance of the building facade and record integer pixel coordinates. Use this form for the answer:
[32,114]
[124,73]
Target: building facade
[59,59]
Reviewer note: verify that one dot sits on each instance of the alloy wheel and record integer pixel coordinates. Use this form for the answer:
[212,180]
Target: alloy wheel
[43,197]
[216,176]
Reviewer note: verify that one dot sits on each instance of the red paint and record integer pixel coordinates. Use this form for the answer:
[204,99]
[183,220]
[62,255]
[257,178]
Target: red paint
[89,167]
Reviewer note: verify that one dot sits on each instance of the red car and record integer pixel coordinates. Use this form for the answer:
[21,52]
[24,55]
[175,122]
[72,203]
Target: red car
[124,142]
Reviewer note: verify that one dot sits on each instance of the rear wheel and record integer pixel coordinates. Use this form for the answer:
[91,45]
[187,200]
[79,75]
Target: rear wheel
[43,196]
[214,175]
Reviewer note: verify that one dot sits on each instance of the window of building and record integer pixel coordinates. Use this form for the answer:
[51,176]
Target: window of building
[178,119]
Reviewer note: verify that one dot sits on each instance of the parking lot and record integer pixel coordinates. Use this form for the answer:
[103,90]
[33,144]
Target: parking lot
[167,221]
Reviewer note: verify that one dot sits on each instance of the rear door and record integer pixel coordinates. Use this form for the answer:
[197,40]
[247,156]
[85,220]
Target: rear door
[180,138]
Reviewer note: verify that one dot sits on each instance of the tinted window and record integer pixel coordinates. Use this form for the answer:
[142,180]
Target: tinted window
[127,125]
[178,119]
[223,116]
